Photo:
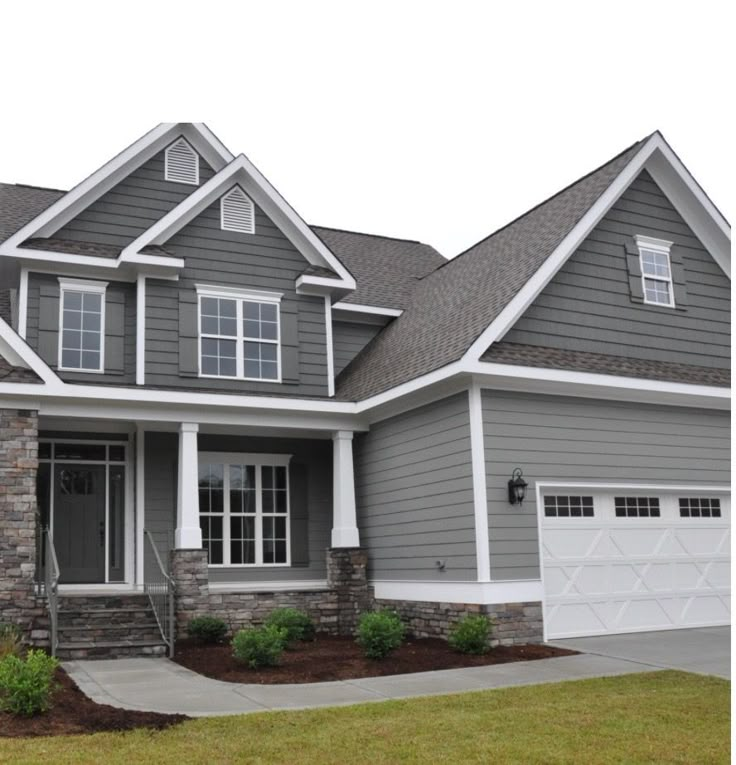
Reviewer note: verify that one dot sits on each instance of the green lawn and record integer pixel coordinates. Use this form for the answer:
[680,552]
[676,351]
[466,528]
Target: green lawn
[657,717]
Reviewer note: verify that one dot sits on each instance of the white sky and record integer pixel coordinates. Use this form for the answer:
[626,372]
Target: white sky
[431,121]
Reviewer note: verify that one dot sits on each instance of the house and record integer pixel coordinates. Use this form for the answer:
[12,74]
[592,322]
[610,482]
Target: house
[209,406]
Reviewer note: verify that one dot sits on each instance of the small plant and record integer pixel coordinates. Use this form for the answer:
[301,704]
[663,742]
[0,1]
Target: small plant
[259,646]
[207,629]
[26,685]
[11,640]
[297,624]
[471,634]
[379,633]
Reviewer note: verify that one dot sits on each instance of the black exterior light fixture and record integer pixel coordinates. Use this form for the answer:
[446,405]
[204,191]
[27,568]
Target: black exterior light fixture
[517,487]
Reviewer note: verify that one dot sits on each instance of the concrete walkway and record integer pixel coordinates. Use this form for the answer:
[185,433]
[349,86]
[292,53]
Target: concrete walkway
[161,685]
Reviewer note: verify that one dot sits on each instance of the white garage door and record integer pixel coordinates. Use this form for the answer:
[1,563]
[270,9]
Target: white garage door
[632,561]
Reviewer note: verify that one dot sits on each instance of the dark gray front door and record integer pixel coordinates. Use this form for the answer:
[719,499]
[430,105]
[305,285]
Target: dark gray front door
[79,522]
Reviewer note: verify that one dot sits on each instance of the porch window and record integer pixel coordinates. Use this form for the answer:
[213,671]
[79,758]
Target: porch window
[239,334]
[81,325]
[244,508]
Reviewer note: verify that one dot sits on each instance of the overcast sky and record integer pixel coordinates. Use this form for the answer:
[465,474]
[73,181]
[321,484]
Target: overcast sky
[430,121]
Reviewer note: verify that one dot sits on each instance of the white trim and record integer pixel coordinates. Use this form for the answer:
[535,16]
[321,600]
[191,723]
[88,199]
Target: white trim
[140,501]
[480,500]
[193,154]
[650,243]
[82,285]
[140,330]
[11,344]
[345,531]
[91,287]
[279,586]
[371,309]
[188,535]
[213,290]
[23,303]
[330,348]
[482,593]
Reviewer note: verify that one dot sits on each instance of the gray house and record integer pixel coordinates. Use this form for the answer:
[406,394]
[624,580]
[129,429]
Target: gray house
[209,406]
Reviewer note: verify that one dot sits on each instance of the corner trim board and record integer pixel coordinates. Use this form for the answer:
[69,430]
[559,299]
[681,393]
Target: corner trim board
[480,500]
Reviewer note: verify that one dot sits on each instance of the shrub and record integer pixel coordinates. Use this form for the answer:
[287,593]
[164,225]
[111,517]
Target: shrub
[297,624]
[26,685]
[207,629]
[471,634]
[11,640]
[259,646]
[379,633]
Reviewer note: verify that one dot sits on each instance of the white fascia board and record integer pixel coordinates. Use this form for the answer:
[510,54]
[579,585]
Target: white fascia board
[53,258]
[374,310]
[590,385]
[481,593]
[17,352]
[319,285]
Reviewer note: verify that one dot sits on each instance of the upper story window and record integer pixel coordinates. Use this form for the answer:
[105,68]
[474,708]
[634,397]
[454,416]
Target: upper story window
[181,163]
[236,212]
[239,334]
[81,323]
[656,271]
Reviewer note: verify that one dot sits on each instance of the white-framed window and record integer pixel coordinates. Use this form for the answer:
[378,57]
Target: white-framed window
[637,507]
[181,163]
[656,271]
[237,212]
[81,325]
[700,507]
[568,506]
[239,334]
[244,508]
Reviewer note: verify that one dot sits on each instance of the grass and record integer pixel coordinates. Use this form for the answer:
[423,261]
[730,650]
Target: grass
[658,717]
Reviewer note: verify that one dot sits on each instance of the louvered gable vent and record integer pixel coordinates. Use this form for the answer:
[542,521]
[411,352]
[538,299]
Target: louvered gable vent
[236,212]
[182,163]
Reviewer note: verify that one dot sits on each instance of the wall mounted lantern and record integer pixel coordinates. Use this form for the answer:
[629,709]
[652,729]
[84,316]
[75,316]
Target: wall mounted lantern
[517,487]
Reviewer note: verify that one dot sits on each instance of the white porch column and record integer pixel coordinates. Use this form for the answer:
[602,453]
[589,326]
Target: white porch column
[188,534]
[344,521]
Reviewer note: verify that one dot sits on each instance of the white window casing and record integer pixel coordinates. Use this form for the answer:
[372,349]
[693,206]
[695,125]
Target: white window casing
[181,163]
[237,212]
[81,325]
[239,334]
[656,271]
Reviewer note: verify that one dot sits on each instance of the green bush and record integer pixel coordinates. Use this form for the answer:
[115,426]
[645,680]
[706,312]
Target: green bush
[471,634]
[297,624]
[259,646]
[379,633]
[26,685]
[11,640]
[207,629]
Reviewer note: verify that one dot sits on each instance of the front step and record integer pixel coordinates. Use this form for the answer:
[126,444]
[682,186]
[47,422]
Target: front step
[107,626]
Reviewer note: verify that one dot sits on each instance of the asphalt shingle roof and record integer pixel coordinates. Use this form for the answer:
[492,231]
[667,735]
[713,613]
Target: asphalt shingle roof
[21,204]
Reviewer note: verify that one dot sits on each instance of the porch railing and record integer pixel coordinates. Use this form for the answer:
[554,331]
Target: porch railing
[51,588]
[159,587]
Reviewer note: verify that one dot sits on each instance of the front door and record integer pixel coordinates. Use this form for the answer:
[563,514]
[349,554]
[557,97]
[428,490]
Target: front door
[79,522]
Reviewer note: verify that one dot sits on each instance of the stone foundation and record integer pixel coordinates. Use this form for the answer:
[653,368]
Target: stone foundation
[513,623]
[18,467]
[347,579]
[188,569]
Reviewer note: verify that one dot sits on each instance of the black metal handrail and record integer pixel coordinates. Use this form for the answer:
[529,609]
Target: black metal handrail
[159,587]
[51,588]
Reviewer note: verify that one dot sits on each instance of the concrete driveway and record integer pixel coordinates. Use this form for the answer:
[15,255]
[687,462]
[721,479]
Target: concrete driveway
[706,650]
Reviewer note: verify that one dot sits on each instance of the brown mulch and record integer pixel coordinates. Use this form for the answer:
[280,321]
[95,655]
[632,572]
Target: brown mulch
[340,658]
[73,712]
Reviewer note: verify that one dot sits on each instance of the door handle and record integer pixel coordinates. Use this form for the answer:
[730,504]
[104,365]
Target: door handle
[102,533]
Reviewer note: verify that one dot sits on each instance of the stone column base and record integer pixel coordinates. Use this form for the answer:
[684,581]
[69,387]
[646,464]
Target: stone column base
[188,569]
[347,579]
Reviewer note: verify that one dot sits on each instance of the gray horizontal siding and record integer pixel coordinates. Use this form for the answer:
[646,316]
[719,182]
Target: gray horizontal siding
[588,306]
[414,493]
[132,206]
[266,260]
[576,440]
[160,482]
[350,337]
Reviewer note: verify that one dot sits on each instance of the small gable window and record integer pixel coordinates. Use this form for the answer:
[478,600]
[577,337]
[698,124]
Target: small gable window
[236,212]
[181,163]
[656,271]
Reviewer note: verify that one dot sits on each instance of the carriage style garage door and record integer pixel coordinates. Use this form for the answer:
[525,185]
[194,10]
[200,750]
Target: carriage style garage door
[634,560]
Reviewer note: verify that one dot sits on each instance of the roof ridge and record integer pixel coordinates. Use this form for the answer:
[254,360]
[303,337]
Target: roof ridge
[375,236]
[32,186]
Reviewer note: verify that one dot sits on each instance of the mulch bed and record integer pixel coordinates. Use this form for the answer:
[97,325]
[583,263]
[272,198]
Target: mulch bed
[73,712]
[340,658]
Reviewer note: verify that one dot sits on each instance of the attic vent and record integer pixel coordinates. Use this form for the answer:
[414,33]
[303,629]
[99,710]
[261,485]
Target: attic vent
[182,163]
[236,212]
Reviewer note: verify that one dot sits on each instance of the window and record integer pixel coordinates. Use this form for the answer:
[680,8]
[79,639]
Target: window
[236,212]
[239,334]
[568,507]
[181,163]
[81,322]
[244,509]
[700,507]
[637,507]
[656,272]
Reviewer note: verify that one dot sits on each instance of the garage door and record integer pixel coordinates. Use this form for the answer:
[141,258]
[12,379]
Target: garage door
[633,561]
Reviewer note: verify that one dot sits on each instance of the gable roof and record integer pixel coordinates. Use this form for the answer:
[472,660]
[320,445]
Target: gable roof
[20,204]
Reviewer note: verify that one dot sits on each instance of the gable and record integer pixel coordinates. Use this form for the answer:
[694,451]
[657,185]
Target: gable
[132,206]
[588,305]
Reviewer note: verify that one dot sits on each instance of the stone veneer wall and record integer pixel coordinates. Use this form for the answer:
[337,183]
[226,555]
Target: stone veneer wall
[18,467]
[513,623]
